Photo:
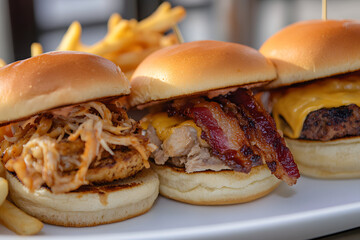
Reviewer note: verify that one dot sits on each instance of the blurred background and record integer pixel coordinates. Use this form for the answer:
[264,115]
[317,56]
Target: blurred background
[249,22]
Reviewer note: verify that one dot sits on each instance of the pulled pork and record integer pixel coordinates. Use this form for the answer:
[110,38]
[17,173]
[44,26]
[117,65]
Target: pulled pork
[183,149]
[57,147]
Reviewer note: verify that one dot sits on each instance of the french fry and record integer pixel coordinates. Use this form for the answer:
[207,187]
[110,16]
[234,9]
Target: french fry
[2,63]
[162,19]
[113,21]
[36,49]
[134,48]
[130,60]
[71,39]
[164,7]
[108,46]
[118,32]
[168,40]
[3,189]
[18,221]
[148,22]
[116,40]
[149,39]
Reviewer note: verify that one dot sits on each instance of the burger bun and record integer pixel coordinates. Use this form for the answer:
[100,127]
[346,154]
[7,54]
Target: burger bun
[90,205]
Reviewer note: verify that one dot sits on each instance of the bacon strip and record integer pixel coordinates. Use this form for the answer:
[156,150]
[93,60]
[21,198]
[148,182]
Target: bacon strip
[226,138]
[279,159]
[221,131]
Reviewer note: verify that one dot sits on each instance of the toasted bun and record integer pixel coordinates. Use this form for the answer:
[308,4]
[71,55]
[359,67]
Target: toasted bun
[90,205]
[197,67]
[314,49]
[331,159]
[56,79]
[215,188]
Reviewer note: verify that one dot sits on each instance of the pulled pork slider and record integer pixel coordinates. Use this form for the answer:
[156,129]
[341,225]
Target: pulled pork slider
[72,155]
[216,144]
[315,100]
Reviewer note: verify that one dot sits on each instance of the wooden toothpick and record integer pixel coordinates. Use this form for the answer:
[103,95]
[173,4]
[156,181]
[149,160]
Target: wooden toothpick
[178,33]
[324,11]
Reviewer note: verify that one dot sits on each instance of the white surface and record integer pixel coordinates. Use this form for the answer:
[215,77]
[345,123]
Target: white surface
[310,209]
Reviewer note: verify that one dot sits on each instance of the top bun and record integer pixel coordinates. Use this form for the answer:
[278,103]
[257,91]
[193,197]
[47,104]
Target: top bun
[57,79]
[314,49]
[196,67]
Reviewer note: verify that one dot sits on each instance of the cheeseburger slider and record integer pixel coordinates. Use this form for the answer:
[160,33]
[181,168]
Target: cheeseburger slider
[316,98]
[72,155]
[216,144]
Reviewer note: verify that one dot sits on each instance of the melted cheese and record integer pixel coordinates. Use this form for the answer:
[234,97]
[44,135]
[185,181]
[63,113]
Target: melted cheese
[165,125]
[295,103]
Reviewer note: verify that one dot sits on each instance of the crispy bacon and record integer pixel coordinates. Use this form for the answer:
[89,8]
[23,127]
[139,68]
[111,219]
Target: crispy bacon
[263,132]
[224,135]
[240,133]
[221,131]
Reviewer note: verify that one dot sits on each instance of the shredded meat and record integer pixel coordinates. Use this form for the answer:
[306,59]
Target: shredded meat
[331,123]
[183,149]
[56,148]
[199,159]
[180,142]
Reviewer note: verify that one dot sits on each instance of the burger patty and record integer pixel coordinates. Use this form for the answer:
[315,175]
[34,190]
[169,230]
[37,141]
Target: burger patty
[121,165]
[124,163]
[332,123]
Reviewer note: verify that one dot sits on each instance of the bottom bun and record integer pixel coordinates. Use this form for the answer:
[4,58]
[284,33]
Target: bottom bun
[89,205]
[336,159]
[215,188]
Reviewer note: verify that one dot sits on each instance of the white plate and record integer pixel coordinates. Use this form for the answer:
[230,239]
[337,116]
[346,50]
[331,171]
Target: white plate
[310,209]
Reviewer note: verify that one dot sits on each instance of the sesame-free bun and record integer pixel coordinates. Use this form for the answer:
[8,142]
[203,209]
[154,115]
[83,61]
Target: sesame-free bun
[197,67]
[313,49]
[89,205]
[57,79]
[335,159]
[215,188]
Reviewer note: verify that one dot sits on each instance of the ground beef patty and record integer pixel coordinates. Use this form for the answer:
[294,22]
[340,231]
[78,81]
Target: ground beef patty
[331,123]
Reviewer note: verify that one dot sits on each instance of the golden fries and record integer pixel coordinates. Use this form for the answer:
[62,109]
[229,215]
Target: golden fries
[2,63]
[18,221]
[71,39]
[163,18]
[127,42]
[113,21]
[13,218]
[36,49]
[130,60]
[3,189]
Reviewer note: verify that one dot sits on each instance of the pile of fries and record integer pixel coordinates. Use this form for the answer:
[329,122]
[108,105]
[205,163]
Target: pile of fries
[127,42]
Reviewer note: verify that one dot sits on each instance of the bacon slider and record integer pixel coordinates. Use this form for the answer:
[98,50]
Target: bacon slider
[315,99]
[216,144]
[73,156]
